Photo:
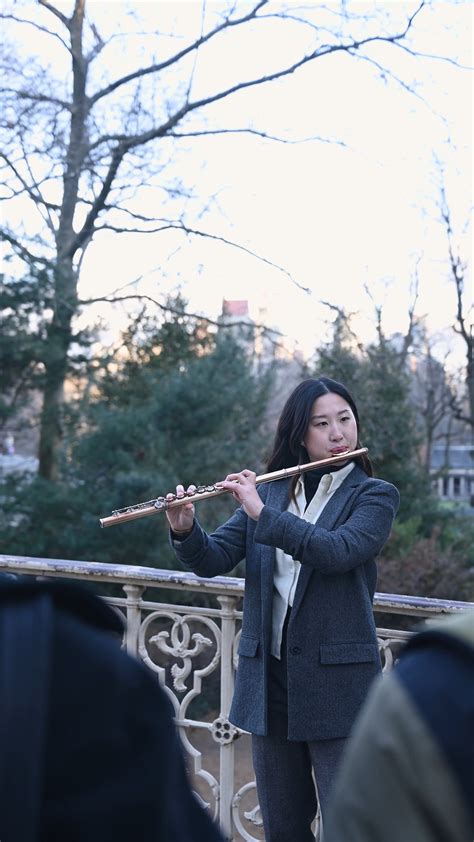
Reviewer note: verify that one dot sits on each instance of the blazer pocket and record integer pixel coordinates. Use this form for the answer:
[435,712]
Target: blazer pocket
[248,646]
[348,653]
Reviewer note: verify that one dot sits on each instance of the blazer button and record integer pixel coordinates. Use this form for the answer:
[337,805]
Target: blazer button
[295,650]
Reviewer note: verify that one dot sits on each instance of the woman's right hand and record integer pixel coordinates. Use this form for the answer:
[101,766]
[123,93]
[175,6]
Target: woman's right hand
[181,518]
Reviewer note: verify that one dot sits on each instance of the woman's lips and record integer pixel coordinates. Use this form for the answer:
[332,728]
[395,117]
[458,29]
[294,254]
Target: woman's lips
[337,450]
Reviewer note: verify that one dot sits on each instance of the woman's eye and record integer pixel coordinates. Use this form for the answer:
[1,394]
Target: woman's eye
[346,418]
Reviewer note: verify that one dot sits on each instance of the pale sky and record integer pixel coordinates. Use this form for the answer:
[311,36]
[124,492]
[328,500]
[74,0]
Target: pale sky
[335,218]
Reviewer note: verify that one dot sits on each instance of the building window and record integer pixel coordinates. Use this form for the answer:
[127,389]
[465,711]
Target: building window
[445,486]
[456,486]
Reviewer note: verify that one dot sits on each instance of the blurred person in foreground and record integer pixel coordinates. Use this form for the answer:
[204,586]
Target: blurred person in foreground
[408,774]
[88,747]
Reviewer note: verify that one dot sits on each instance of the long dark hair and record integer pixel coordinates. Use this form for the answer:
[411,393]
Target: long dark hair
[288,449]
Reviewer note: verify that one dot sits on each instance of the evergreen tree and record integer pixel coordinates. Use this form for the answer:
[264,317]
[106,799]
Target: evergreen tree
[430,552]
[379,381]
[22,303]
[25,348]
[181,405]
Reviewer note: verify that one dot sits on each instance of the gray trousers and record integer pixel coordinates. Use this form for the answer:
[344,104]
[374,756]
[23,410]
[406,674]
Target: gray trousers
[285,785]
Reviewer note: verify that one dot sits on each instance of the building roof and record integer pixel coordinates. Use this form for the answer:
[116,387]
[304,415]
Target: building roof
[458,456]
[17,464]
[235,308]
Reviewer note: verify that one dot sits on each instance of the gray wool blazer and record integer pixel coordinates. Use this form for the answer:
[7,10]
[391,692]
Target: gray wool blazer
[332,645]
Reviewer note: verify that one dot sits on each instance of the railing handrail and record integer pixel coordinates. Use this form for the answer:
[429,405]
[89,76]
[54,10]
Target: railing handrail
[95,571]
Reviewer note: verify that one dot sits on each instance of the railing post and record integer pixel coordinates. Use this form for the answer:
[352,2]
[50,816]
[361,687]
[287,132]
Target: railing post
[134,615]
[225,732]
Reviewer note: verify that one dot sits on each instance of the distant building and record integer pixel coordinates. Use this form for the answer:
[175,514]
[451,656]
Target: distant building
[265,344]
[237,310]
[17,464]
[452,469]
[268,349]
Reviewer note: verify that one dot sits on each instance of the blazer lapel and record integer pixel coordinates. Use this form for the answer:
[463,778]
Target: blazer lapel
[277,498]
[328,520]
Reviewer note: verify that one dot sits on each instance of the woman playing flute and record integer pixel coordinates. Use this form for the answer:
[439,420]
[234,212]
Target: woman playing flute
[308,650]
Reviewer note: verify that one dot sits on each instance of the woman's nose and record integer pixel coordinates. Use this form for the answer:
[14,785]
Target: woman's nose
[336,434]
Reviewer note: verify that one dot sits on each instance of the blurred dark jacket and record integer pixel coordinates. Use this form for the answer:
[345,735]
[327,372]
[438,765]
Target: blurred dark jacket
[88,748]
[409,769]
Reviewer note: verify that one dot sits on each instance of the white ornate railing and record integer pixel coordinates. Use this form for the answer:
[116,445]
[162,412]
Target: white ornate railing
[184,644]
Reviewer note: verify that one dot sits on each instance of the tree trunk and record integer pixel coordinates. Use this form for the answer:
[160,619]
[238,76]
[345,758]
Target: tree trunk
[56,368]
[60,331]
[470,379]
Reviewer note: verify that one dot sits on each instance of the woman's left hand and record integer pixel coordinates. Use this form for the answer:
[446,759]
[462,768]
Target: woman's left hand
[244,490]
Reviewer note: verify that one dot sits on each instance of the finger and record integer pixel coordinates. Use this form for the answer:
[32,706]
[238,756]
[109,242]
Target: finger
[226,483]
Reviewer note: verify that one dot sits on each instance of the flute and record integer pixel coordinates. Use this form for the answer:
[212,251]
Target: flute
[204,492]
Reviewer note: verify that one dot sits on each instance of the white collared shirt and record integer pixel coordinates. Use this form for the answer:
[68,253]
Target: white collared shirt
[287,569]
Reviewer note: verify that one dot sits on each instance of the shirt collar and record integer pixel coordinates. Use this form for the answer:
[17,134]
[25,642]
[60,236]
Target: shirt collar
[330,482]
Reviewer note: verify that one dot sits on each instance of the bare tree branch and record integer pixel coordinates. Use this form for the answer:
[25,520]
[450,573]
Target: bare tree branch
[55,12]
[196,54]
[46,215]
[35,97]
[37,26]
[18,390]
[160,131]
[343,318]
[465,330]
[99,44]
[257,133]
[420,54]
[408,338]
[88,228]
[457,269]
[156,68]
[385,73]
[35,196]
[178,311]
[210,132]
[320,51]
[25,253]
[170,226]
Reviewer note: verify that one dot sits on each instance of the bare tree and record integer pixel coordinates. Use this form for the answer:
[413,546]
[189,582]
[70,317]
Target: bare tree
[405,342]
[76,149]
[463,325]
[432,394]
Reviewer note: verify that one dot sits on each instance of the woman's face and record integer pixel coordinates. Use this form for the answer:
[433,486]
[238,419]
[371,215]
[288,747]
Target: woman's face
[332,428]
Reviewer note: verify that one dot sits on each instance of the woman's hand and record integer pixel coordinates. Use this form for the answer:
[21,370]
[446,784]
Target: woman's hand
[181,518]
[244,490]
